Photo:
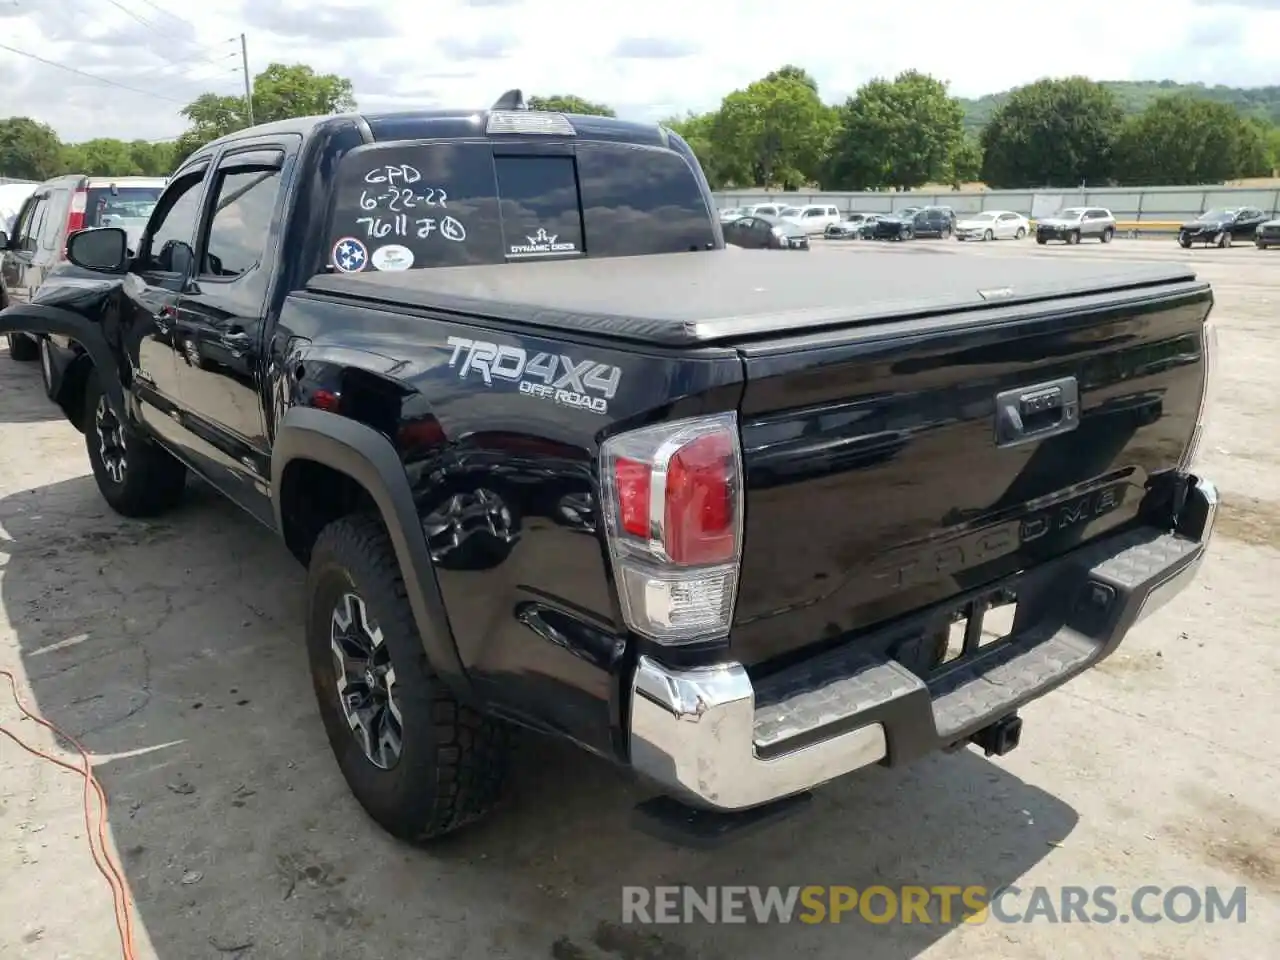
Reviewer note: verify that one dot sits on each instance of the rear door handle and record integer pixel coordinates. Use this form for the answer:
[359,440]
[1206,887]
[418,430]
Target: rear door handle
[1036,412]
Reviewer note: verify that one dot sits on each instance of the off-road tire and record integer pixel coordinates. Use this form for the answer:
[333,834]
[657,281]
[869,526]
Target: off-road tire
[152,480]
[453,759]
[22,348]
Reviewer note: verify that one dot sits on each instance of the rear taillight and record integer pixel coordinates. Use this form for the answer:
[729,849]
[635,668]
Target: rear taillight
[673,514]
[75,219]
[1209,350]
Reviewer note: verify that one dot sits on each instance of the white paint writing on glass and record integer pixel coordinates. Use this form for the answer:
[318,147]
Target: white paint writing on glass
[449,227]
[397,199]
[378,228]
[452,229]
[393,173]
[396,194]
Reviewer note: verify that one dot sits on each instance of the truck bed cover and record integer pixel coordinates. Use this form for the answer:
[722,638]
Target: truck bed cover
[705,298]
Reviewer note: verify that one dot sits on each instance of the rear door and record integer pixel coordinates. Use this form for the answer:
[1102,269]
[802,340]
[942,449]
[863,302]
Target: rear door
[52,246]
[165,265]
[1246,223]
[221,322]
[24,246]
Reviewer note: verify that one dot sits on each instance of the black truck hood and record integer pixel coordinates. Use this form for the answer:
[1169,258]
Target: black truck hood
[719,297]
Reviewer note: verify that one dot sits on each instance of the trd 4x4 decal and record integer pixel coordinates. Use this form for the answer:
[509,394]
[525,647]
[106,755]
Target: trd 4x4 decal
[584,384]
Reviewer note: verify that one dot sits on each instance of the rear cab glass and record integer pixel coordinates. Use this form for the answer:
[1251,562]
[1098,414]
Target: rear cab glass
[116,206]
[406,205]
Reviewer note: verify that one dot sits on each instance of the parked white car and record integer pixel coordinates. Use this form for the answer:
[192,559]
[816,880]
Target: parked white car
[814,218]
[992,225]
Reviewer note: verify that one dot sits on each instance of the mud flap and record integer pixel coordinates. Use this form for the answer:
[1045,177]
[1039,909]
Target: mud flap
[39,318]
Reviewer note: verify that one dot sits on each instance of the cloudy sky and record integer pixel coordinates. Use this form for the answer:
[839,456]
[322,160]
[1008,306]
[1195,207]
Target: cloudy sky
[650,60]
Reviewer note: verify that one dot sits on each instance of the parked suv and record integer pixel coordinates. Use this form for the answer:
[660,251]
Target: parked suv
[1077,223]
[934,222]
[56,209]
[814,218]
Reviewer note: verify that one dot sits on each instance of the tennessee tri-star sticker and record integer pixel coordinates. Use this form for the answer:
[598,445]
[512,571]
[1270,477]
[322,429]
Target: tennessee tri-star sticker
[350,255]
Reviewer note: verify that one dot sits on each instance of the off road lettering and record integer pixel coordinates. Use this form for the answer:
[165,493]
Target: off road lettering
[584,384]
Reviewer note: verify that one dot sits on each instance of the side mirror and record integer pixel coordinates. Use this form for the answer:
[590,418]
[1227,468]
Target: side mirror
[101,249]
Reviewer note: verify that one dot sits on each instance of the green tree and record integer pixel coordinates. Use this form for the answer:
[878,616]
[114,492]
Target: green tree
[1052,133]
[790,71]
[774,133]
[283,91]
[696,129]
[966,162]
[1186,139]
[1254,158]
[29,150]
[1273,148]
[569,103]
[904,132]
[279,92]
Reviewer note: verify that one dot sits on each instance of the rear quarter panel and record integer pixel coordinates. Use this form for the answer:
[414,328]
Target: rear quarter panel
[504,476]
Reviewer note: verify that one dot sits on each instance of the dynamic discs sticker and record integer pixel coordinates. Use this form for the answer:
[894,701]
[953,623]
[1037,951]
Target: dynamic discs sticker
[392,257]
[349,255]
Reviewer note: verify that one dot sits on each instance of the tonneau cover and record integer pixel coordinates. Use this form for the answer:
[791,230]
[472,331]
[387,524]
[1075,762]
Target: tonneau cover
[716,296]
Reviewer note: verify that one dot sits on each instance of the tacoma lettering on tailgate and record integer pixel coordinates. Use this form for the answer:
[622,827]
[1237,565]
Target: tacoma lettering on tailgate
[584,384]
[986,544]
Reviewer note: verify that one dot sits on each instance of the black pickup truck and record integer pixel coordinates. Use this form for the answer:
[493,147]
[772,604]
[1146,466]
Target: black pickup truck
[554,456]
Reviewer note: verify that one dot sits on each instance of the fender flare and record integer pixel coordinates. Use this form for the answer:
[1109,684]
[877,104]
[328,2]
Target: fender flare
[367,457]
[39,318]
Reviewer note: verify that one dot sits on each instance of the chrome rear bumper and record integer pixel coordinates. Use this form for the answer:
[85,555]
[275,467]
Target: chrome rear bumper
[699,734]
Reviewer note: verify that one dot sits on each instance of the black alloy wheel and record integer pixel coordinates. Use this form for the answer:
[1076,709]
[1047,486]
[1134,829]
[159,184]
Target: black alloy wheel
[365,682]
[113,448]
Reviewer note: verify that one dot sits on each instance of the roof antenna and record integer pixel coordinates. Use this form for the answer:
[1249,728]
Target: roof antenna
[511,100]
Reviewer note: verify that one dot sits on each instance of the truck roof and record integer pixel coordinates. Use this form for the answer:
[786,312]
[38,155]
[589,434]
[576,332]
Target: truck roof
[715,296]
[440,123]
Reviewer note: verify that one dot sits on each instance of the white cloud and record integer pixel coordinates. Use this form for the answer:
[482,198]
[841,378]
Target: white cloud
[405,53]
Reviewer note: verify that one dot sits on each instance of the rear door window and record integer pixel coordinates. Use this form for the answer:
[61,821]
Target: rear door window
[33,223]
[641,200]
[539,206]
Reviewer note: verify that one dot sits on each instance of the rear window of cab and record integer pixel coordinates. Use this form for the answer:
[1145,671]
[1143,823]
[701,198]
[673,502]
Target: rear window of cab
[401,206]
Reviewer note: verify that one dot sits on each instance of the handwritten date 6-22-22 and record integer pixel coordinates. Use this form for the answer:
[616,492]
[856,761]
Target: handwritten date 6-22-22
[398,199]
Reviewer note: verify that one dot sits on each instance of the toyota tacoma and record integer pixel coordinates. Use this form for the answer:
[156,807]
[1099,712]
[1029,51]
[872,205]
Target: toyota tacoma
[554,458]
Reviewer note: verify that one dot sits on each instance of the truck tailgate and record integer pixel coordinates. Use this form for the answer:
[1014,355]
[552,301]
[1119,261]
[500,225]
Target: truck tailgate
[894,465]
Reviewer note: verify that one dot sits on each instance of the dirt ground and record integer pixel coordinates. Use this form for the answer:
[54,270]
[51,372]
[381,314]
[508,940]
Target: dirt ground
[173,649]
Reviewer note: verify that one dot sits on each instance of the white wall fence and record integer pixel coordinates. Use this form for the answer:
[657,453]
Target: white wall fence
[1154,205]
[6,180]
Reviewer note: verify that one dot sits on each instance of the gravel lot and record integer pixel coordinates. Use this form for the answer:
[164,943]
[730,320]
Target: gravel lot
[173,649]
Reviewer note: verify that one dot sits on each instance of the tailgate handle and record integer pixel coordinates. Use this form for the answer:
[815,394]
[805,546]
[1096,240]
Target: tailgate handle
[1037,412]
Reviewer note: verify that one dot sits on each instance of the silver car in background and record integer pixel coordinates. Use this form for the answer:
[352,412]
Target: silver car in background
[1074,224]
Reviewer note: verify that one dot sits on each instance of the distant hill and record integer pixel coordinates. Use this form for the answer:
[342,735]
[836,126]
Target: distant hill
[1135,95]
